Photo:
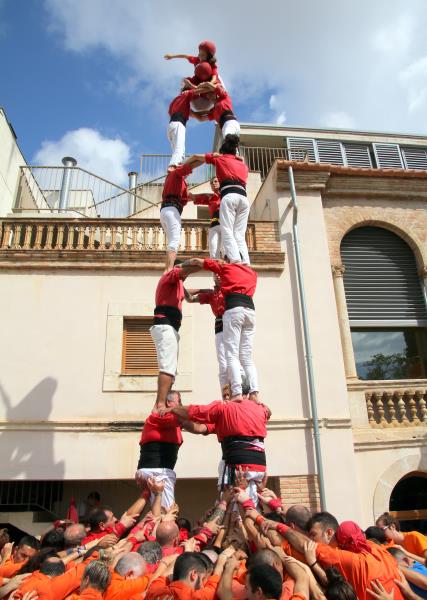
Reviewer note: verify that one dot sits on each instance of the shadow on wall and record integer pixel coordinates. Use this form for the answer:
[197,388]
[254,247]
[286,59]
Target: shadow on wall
[28,453]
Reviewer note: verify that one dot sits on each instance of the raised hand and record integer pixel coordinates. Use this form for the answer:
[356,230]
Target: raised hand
[155,485]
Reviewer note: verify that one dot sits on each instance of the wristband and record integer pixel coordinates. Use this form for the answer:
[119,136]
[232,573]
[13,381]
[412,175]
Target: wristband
[207,532]
[275,503]
[311,566]
[248,504]
[132,539]
[260,519]
[282,528]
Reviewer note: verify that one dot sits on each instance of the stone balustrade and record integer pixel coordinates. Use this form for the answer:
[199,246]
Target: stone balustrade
[397,408]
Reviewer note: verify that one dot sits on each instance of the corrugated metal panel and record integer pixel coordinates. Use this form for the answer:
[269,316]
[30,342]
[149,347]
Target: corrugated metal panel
[415,158]
[330,151]
[381,280]
[388,156]
[295,144]
[358,155]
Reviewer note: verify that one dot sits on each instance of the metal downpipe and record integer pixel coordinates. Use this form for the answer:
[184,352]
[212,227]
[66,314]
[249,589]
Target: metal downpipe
[307,343]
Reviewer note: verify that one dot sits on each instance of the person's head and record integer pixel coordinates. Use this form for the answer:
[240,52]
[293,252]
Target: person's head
[97,576]
[322,527]
[214,184]
[190,567]
[245,388]
[27,547]
[337,587]
[74,535]
[33,563]
[131,566]
[401,558]
[297,517]
[177,262]
[151,552]
[375,534]
[209,566]
[52,567]
[211,553]
[184,523]
[266,556]
[226,392]
[350,537]
[207,50]
[54,539]
[167,534]
[101,519]
[263,582]
[230,144]
[173,399]
[391,528]
[93,499]
[4,537]
[203,71]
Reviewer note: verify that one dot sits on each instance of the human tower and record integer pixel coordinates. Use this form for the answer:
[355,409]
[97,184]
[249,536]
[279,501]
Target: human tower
[239,418]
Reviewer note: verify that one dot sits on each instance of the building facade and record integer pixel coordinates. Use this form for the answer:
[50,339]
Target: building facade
[77,370]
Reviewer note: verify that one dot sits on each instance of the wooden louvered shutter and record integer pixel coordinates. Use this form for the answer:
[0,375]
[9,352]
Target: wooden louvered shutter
[381,281]
[388,156]
[330,151]
[298,145]
[358,155]
[415,158]
[139,352]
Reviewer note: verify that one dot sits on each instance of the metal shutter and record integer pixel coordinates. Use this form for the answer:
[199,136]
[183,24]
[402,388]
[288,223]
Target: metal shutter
[330,151]
[415,158]
[381,280]
[139,352]
[295,144]
[358,155]
[388,156]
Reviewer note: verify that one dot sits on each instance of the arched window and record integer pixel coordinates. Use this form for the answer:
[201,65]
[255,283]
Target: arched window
[386,305]
[408,502]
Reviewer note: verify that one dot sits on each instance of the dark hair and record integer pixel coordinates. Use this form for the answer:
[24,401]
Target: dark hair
[376,534]
[188,561]
[52,568]
[246,388]
[54,539]
[33,563]
[98,575]
[177,262]
[268,579]
[183,523]
[337,587]
[230,144]
[387,519]
[273,516]
[95,495]
[96,517]
[31,541]
[151,552]
[299,515]
[396,552]
[325,519]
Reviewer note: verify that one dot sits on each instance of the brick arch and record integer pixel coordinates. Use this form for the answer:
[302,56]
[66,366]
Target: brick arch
[391,476]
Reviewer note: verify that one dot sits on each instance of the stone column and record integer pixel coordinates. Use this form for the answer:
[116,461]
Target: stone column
[346,343]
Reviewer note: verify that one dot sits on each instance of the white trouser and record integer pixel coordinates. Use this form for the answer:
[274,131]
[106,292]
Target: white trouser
[171,223]
[239,331]
[222,361]
[166,475]
[166,340]
[214,242]
[176,137]
[233,219]
[232,126]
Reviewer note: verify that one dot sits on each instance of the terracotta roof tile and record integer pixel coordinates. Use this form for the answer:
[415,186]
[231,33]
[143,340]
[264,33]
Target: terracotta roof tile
[310,166]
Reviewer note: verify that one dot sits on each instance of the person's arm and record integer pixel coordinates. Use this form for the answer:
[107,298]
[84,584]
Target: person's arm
[180,411]
[311,558]
[195,160]
[156,488]
[196,428]
[191,265]
[200,199]
[170,56]
[404,587]
[224,591]
[298,573]
[12,584]
[415,578]
[138,506]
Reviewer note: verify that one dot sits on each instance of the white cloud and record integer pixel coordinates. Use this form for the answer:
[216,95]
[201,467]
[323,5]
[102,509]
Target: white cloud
[414,80]
[314,54]
[338,119]
[108,158]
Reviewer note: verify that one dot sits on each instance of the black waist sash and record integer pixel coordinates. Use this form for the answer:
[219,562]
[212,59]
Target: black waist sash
[218,324]
[227,115]
[171,200]
[178,116]
[234,299]
[158,455]
[170,315]
[236,452]
[232,186]
[215,219]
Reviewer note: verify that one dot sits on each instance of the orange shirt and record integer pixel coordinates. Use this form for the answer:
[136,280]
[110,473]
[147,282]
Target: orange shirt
[415,543]
[123,589]
[87,594]
[53,588]
[179,590]
[290,551]
[360,569]
[9,568]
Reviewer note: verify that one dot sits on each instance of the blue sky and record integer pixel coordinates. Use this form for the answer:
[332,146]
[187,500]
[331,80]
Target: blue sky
[87,76]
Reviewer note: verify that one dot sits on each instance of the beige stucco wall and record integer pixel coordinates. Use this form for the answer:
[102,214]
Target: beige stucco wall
[11,159]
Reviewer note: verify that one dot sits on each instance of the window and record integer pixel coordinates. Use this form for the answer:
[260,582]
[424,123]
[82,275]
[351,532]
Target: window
[139,352]
[386,305]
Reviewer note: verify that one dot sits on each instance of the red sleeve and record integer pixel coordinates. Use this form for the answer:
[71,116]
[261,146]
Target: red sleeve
[183,170]
[119,529]
[173,276]
[205,297]
[202,199]
[210,159]
[210,428]
[194,60]
[205,413]
[220,92]
[209,264]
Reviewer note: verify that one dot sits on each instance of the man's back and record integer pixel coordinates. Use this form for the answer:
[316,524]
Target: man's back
[245,418]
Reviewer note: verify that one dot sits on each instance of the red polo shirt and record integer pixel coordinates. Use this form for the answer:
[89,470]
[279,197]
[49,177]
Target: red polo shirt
[181,104]
[228,166]
[222,103]
[235,278]
[175,184]
[213,201]
[216,301]
[161,429]
[170,289]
